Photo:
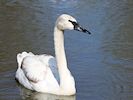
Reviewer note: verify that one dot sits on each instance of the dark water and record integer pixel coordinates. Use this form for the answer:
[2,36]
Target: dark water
[102,63]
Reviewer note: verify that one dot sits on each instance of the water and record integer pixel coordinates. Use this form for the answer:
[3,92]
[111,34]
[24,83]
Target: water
[101,63]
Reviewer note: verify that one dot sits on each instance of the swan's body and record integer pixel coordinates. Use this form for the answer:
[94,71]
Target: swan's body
[41,72]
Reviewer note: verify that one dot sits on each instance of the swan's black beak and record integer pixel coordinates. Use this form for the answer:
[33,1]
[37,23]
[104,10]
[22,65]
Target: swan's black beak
[79,28]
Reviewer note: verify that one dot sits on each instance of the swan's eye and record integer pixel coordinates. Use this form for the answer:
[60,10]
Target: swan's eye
[75,24]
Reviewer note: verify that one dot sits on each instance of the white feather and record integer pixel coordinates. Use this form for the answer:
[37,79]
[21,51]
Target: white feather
[42,72]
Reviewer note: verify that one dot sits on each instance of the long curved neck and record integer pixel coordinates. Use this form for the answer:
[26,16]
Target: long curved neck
[66,80]
[59,49]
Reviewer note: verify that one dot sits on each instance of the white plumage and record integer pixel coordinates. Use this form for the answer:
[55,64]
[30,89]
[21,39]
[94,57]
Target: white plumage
[35,72]
[41,73]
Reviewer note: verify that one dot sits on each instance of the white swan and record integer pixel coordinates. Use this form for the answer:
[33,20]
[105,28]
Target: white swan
[38,72]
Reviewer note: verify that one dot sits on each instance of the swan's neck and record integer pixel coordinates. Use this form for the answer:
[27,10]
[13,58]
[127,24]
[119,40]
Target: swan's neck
[67,83]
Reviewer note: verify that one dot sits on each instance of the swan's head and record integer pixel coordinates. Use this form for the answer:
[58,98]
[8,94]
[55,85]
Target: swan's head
[65,21]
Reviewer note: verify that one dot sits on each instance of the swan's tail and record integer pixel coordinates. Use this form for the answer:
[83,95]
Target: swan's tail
[21,56]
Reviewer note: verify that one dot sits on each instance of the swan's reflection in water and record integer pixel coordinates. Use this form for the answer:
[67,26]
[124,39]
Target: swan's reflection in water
[30,95]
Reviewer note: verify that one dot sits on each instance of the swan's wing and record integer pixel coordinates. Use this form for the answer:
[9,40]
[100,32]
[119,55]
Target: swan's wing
[21,56]
[35,67]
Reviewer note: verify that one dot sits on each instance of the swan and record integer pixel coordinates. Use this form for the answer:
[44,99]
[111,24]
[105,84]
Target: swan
[39,72]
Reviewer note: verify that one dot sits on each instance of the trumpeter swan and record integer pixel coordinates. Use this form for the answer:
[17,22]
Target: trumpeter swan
[37,72]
